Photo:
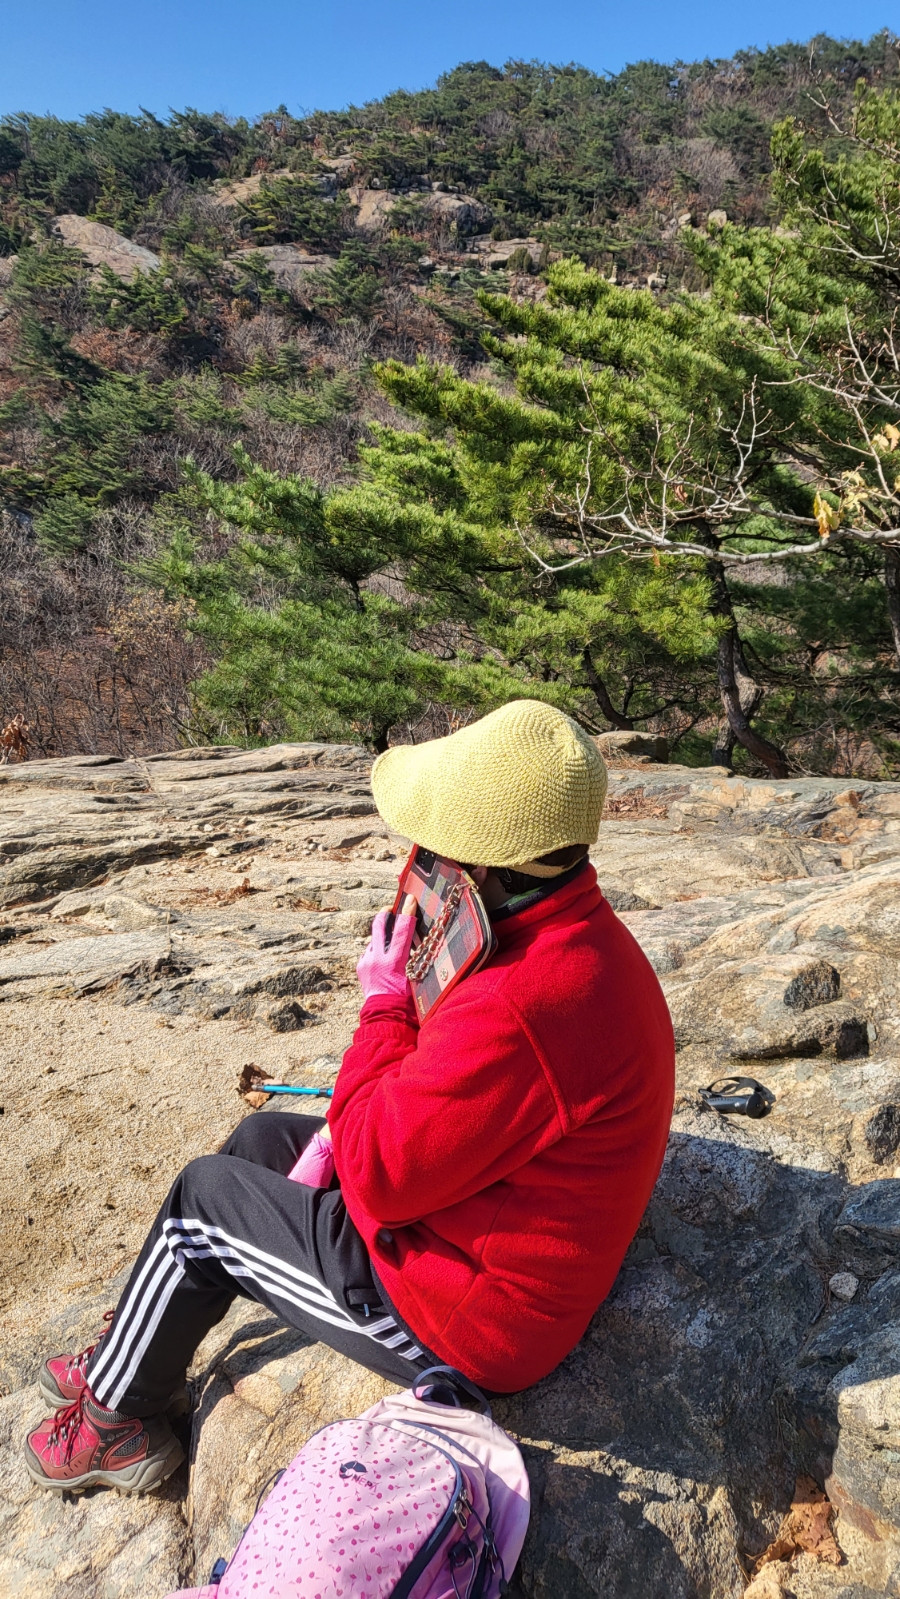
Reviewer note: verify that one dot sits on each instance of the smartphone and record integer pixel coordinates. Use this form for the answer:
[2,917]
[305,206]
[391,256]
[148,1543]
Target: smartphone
[453,934]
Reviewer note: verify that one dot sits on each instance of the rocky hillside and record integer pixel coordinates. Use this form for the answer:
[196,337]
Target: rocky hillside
[174,289]
[169,921]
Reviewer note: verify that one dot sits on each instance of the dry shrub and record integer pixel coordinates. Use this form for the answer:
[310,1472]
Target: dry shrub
[123,350]
[247,338]
[675,175]
[436,721]
[92,667]
[840,751]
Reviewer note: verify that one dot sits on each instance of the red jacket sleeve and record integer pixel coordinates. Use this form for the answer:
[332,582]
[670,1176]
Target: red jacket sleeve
[422,1120]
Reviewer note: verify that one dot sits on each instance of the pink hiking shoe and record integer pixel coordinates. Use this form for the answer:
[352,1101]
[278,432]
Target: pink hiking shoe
[63,1378]
[87,1446]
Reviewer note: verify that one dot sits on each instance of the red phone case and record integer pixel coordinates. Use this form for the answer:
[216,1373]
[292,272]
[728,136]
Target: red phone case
[453,935]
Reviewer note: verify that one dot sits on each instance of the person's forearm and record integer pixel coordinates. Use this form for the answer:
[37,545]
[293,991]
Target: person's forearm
[388,1031]
[422,1119]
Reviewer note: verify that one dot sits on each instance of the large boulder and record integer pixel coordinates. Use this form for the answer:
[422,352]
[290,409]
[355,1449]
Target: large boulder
[633,745]
[289,264]
[459,211]
[103,246]
[494,254]
[373,207]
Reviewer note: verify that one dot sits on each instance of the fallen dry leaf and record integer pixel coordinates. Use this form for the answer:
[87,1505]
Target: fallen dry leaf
[250,1085]
[218,896]
[806,1529]
[229,895]
[301,904]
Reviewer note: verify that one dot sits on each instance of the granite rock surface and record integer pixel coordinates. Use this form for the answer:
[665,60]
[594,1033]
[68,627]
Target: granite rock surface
[103,246]
[169,919]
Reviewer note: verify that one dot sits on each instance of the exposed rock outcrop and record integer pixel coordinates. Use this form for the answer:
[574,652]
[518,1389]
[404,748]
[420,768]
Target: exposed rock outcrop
[640,746]
[236,190]
[168,919]
[494,254]
[460,211]
[289,264]
[103,246]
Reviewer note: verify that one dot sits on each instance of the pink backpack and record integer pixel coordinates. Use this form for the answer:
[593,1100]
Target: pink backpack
[415,1499]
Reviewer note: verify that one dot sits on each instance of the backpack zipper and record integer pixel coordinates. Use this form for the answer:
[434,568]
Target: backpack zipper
[458,1510]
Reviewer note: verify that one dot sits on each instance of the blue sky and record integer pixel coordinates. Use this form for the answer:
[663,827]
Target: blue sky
[247,56]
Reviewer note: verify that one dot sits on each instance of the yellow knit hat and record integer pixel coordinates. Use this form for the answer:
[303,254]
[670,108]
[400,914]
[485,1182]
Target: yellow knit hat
[519,783]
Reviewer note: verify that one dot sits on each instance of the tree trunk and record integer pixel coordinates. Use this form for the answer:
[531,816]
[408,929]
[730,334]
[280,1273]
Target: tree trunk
[724,745]
[892,585]
[741,695]
[624,724]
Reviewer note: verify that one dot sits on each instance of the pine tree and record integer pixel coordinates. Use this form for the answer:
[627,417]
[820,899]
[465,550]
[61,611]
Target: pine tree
[609,477]
[750,430]
[307,645]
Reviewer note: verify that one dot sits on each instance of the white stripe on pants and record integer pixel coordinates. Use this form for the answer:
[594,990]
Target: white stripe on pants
[190,1238]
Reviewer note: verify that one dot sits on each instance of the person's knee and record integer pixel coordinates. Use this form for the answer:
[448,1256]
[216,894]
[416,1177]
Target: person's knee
[272,1138]
[248,1141]
[199,1179]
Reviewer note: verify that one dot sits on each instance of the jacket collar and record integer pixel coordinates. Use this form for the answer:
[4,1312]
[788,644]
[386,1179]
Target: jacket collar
[550,885]
[571,901]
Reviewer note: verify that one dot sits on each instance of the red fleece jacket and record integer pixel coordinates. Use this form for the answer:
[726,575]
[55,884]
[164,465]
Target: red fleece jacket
[497,1161]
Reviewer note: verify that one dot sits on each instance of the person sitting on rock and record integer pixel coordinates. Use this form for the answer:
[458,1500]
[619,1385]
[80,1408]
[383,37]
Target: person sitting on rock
[491,1165]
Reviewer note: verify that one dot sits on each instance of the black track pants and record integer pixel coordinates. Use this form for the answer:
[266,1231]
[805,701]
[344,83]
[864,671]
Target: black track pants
[233,1224]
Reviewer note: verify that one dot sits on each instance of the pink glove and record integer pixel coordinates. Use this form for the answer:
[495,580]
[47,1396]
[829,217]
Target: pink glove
[315,1167]
[383,971]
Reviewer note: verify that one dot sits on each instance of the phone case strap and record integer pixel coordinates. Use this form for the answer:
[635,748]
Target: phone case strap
[424,956]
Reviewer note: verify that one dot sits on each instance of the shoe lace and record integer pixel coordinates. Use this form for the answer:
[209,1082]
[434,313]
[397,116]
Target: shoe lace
[79,1362]
[67,1425]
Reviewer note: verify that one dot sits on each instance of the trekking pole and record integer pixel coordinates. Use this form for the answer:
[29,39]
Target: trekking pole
[286,1088]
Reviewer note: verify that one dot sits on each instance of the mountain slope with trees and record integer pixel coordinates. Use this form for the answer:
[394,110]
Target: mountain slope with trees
[537,382]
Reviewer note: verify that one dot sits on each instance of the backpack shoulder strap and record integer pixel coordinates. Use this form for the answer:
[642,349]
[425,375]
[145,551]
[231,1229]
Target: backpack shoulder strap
[453,1379]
